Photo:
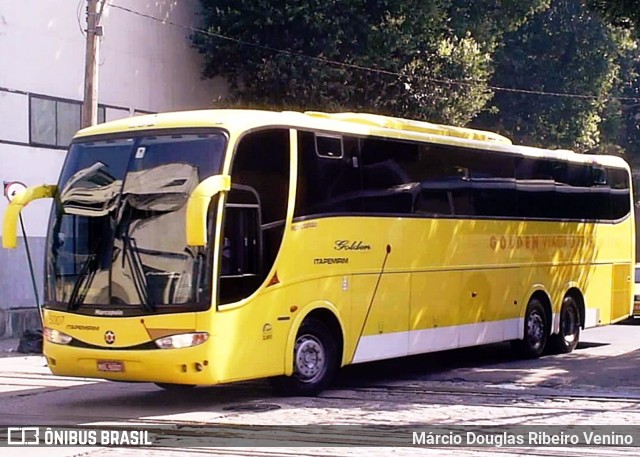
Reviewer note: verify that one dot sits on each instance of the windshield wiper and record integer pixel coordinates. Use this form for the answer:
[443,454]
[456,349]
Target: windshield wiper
[88,270]
[131,255]
[84,279]
[130,252]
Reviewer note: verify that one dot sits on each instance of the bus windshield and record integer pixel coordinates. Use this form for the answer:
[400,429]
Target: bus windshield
[117,231]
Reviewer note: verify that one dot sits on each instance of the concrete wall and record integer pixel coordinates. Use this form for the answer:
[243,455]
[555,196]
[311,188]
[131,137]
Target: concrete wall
[145,66]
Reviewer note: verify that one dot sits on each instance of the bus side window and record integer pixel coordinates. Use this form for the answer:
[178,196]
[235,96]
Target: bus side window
[328,175]
[445,182]
[535,188]
[620,192]
[241,246]
[241,243]
[387,186]
[255,213]
[493,184]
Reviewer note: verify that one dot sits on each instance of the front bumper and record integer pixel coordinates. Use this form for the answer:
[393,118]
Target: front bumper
[176,366]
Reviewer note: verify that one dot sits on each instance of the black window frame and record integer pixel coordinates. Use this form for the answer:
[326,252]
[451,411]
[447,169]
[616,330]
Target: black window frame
[543,188]
[260,166]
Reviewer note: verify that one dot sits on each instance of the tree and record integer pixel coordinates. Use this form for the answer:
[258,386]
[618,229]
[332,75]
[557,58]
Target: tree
[438,61]
[562,50]
[488,20]
[621,126]
[624,13]
[397,57]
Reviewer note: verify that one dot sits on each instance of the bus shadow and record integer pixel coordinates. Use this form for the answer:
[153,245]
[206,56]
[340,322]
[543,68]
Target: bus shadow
[631,321]
[424,365]
[581,366]
[360,391]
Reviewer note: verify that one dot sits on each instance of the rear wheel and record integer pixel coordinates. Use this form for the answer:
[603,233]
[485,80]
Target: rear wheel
[567,338]
[315,361]
[536,325]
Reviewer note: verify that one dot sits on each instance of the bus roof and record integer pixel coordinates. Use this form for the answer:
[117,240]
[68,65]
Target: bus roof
[365,124]
[409,125]
[247,119]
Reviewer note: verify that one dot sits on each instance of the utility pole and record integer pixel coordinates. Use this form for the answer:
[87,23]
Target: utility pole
[94,32]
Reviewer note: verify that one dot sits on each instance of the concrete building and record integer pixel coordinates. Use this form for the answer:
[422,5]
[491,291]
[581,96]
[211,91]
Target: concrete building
[146,65]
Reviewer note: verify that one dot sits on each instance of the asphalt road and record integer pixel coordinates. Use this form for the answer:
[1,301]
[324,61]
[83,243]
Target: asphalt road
[596,385]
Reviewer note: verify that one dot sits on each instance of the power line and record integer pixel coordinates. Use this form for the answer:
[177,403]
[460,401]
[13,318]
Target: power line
[79,14]
[365,68]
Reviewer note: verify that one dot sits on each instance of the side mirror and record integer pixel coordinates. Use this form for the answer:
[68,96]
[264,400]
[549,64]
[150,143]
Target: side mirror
[19,201]
[198,206]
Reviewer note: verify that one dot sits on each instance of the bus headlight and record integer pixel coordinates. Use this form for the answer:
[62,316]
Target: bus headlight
[183,340]
[56,337]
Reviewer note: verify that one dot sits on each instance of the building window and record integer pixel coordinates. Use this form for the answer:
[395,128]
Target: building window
[53,122]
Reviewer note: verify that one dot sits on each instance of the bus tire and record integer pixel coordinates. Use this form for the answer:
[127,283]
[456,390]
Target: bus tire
[568,337]
[536,325]
[315,362]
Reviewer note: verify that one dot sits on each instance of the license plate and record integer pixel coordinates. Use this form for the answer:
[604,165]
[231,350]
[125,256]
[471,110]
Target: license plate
[111,366]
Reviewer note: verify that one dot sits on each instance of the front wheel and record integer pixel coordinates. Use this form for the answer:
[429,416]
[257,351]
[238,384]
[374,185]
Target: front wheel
[315,361]
[536,327]
[567,338]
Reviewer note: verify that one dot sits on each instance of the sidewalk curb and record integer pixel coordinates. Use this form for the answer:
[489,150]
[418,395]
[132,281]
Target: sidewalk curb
[9,348]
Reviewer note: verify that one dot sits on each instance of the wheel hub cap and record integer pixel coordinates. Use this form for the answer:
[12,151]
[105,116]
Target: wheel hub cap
[310,358]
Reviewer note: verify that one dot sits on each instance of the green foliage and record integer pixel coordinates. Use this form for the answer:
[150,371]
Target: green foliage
[443,61]
[415,45]
[425,93]
[309,36]
[488,20]
[622,124]
[563,50]
[622,13]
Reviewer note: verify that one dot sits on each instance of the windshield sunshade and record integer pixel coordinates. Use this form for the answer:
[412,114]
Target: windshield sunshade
[117,232]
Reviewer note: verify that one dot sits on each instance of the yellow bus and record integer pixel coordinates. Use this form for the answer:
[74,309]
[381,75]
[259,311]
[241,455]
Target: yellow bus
[207,247]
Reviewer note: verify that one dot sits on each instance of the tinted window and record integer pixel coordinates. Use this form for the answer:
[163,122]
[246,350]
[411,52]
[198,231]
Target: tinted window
[600,194]
[573,197]
[327,184]
[571,191]
[464,182]
[241,250]
[329,146]
[430,180]
[445,187]
[255,212]
[493,183]
[387,184]
[536,187]
[262,163]
[620,192]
